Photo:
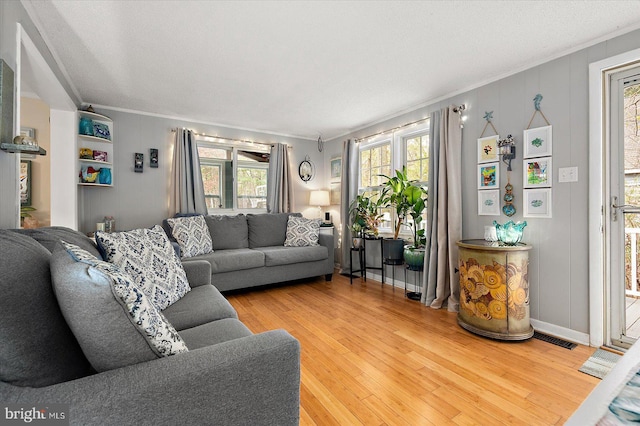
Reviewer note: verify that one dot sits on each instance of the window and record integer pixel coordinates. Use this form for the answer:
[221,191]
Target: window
[383,155]
[234,174]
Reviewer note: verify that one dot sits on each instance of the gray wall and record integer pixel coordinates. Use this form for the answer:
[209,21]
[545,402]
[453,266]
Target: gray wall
[558,270]
[141,199]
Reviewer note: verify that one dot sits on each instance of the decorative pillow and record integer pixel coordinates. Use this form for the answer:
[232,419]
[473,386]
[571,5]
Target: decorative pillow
[192,234]
[302,232]
[150,260]
[268,229]
[228,232]
[112,319]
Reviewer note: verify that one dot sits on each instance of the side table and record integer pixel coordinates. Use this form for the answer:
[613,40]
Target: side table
[363,263]
[494,289]
[413,295]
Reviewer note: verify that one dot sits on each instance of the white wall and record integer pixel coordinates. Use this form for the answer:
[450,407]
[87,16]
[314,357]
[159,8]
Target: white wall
[558,270]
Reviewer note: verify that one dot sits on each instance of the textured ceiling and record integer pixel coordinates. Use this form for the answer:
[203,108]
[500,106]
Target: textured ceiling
[307,68]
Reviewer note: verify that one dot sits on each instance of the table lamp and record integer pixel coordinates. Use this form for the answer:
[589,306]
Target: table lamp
[320,198]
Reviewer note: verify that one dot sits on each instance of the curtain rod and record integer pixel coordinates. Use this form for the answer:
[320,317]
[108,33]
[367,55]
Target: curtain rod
[457,109]
[232,139]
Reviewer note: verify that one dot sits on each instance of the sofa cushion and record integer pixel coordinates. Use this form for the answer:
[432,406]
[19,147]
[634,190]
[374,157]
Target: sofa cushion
[37,348]
[214,332]
[51,236]
[233,260]
[201,305]
[228,232]
[280,255]
[114,322]
[147,256]
[302,232]
[268,229]
[192,234]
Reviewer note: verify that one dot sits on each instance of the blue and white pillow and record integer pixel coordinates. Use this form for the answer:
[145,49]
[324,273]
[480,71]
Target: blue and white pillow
[163,338]
[149,258]
[192,234]
[302,232]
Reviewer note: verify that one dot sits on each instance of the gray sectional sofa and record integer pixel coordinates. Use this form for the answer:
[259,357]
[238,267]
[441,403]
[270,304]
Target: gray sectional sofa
[248,250]
[229,375]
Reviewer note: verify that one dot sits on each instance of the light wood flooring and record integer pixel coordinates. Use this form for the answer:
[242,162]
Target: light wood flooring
[372,357]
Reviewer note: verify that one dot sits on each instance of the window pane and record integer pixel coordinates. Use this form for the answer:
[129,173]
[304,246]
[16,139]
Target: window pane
[386,155]
[413,149]
[252,188]
[375,179]
[386,170]
[375,157]
[365,178]
[425,146]
[211,181]
[413,170]
[210,152]
[365,160]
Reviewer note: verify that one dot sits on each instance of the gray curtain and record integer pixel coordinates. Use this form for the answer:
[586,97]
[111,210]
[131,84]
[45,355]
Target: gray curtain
[279,180]
[348,191]
[440,286]
[187,190]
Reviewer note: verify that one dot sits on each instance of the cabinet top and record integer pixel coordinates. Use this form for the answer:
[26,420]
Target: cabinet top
[491,245]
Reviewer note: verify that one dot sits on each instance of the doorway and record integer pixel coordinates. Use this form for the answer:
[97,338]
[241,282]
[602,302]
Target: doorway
[624,187]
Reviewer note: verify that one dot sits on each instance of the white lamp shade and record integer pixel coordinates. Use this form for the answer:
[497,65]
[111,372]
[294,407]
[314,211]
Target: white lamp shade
[319,198]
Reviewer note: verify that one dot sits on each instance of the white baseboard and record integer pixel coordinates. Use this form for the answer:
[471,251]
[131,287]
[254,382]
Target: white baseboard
[562,332]
[399,283]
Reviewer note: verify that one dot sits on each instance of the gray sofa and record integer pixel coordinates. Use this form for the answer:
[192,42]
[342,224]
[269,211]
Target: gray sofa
[248,250]
[229,375]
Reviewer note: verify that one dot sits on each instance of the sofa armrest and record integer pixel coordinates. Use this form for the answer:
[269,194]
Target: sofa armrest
[250,380]
[327,240]
[198,272]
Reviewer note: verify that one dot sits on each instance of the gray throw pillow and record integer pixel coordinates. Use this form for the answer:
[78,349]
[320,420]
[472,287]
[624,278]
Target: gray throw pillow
[112,319]
[269,229]
[51,236]
[37,347]
[149,258]
[228,232]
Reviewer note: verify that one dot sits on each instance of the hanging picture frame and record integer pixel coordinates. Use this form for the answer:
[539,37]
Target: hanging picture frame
[537,172]
[537,203]
[25,183]
[489,176]
[488,149]
[489,202]
[334,193]
[336,169]
[538,142]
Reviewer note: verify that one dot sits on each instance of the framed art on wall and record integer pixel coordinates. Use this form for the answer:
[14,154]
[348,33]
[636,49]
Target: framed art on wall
[537,172]
[489,203]
[538,142]
[334,193]
[25,182]
[537,202]
[336,168]
[488,176]
[488,149]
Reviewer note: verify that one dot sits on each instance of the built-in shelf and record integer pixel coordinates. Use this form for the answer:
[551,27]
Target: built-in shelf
[96,143]
[27,149]
[104,163]
[95,139]
[93,184]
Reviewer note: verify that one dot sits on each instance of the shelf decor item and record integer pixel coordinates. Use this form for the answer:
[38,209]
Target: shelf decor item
[86,126]
[510,233]
[101,130]
[100,155]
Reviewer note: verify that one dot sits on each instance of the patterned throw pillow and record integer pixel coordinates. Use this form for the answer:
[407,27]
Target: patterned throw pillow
[149,259]
[302,232]
[192,234]
[163,338]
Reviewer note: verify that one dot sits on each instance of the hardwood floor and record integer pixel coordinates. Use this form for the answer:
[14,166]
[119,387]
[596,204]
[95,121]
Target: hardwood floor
[370,356]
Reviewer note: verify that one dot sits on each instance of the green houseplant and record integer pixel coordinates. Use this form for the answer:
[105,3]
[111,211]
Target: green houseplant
[365,218]
[407,200]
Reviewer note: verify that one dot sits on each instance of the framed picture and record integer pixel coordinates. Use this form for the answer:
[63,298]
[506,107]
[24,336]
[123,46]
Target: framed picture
[537,142]
[138,161]
[489,176]
[489,203]
[28,131]
[334,193]
[537,172]
[25,183]
[488,149]
[336,168]
[153,158]
[537,202]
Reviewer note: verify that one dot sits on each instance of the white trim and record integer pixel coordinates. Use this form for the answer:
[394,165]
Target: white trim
[598,194]
[562,332]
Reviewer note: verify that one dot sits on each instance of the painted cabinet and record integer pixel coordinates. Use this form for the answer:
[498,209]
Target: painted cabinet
[95,149]
[494,289]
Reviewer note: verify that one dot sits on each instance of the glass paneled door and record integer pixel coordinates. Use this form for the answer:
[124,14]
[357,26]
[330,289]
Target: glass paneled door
[624,175]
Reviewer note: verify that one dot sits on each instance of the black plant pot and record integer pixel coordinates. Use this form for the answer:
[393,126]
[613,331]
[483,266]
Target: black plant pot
[393,251]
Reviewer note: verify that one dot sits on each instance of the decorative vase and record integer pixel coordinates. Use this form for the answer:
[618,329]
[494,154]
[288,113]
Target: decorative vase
[86,126]
[510,233]
[393,251]
[414,258]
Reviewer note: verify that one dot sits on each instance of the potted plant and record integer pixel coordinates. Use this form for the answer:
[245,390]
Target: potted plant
[356,235]
[407,200]
[365,217]
[414,253]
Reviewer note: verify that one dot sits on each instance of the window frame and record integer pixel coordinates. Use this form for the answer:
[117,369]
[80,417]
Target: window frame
[367,146]
[234,147]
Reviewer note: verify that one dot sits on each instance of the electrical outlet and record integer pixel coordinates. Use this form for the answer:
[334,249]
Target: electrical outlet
[568,174]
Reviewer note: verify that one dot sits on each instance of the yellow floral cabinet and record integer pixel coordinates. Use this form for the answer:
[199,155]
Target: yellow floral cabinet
[494,289]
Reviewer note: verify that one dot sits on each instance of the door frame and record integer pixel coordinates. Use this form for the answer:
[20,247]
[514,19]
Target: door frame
[599,212]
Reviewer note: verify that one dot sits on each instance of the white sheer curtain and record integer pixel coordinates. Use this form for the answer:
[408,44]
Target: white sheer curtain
[440,286]
[279,181]
[348,191]
[187,190]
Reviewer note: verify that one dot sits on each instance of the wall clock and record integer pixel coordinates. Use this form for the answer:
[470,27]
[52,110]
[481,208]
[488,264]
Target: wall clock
[306,170]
